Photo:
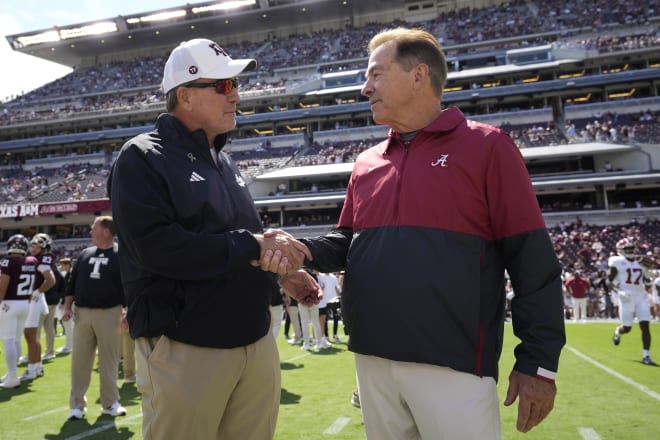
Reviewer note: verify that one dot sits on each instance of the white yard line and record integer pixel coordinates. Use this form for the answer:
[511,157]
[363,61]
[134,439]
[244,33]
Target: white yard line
[295,358]
[588,434]
[337,426]
[616,374]
[46,413]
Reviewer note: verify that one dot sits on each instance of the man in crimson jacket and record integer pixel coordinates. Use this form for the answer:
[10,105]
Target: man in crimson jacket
[433,217]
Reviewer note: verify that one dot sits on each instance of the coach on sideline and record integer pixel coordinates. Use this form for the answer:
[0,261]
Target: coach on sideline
[187,227]
[433,216]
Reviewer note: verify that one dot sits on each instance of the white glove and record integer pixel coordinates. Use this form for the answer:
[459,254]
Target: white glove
[624,296]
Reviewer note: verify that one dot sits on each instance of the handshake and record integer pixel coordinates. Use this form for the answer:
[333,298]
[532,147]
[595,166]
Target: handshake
[282,254]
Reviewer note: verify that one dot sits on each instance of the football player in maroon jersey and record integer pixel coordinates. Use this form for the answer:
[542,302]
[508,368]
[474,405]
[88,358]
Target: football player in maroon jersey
[44,279]
[17,274]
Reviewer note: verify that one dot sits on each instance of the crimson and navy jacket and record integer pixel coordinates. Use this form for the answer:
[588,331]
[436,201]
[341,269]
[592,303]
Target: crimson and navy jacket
[185,230]
[427,230]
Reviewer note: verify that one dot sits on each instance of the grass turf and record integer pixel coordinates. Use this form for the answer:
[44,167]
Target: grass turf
[604,392]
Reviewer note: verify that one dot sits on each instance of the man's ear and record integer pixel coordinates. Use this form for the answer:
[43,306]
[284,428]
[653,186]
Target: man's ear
[184,97]
[422,75]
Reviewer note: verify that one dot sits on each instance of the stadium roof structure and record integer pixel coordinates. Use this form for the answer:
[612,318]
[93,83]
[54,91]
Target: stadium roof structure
[308,171]
[235,20]
[550,152]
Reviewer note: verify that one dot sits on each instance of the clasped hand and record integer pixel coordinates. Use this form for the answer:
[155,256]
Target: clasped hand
[281,253]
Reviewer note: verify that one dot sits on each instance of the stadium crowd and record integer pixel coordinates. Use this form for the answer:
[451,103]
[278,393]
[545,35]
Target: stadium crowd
[88,89]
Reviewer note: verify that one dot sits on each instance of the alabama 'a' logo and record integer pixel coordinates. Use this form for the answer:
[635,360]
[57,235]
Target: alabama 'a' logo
[441,161]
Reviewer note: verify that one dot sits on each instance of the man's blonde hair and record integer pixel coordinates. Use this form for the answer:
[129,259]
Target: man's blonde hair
[413,47]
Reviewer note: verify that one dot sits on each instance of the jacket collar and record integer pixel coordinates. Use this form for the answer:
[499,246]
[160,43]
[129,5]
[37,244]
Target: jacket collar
[172,127]
[447,121]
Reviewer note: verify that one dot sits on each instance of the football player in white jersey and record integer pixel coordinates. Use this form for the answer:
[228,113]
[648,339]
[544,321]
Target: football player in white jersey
[630,278]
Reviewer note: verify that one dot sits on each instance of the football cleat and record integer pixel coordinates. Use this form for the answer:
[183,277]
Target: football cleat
[355,399]
[10,382]
[646,360]
[76,414]
[114,410]
[616,338]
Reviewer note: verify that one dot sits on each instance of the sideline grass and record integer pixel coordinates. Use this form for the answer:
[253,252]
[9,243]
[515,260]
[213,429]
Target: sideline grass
[316,390]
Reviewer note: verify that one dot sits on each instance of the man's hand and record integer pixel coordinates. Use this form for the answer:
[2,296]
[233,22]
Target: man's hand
[280,252]
[537,398]
[302,287]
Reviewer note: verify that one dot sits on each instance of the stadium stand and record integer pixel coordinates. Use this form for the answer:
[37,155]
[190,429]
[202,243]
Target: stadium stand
[574,83]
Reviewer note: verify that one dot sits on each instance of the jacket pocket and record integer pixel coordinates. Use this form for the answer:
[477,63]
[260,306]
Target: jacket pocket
[154,307]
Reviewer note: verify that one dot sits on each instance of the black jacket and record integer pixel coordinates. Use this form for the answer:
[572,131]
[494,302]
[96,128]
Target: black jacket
[185,231]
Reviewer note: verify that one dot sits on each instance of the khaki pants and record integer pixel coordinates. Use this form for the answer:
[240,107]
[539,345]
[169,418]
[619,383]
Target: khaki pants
[49,329]
[128,355]
[95,328]
[411,401]
[201,393]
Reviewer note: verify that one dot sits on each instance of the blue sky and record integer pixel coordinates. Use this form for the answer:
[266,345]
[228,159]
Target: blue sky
[27,72]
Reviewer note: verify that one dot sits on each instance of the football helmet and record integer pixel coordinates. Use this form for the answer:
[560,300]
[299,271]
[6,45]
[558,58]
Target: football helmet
[17,244]
[43,241]
[627,248]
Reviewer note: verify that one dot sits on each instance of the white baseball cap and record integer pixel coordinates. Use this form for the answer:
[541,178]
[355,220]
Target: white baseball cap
[201,58]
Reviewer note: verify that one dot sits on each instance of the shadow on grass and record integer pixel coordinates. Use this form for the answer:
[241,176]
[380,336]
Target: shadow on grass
[103,424]
[286,366]
[128,396]
[9,393]
[329,351]
[288,398]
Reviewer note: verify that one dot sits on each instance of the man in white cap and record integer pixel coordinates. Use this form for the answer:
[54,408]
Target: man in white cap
[188,230]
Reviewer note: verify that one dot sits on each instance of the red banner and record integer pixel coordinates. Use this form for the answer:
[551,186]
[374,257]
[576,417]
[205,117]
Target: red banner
[74,207]
[35,210]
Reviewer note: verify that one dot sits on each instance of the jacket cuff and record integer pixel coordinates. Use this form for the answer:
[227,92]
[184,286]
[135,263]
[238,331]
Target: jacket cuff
[536,371]
[545,375]
[245,246]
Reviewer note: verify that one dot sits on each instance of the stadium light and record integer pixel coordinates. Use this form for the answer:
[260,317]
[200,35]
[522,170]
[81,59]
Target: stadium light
[223,6]
[92,29]
[67,33]
[161,16]
[44,37]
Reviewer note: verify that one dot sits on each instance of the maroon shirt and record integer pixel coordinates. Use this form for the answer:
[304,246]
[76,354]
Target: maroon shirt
[578,287]
[21,272]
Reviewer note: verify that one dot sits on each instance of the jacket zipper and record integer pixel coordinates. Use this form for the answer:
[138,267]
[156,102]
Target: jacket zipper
[406,147]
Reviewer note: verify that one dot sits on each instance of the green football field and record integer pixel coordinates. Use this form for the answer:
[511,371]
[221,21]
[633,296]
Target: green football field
[604,392]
